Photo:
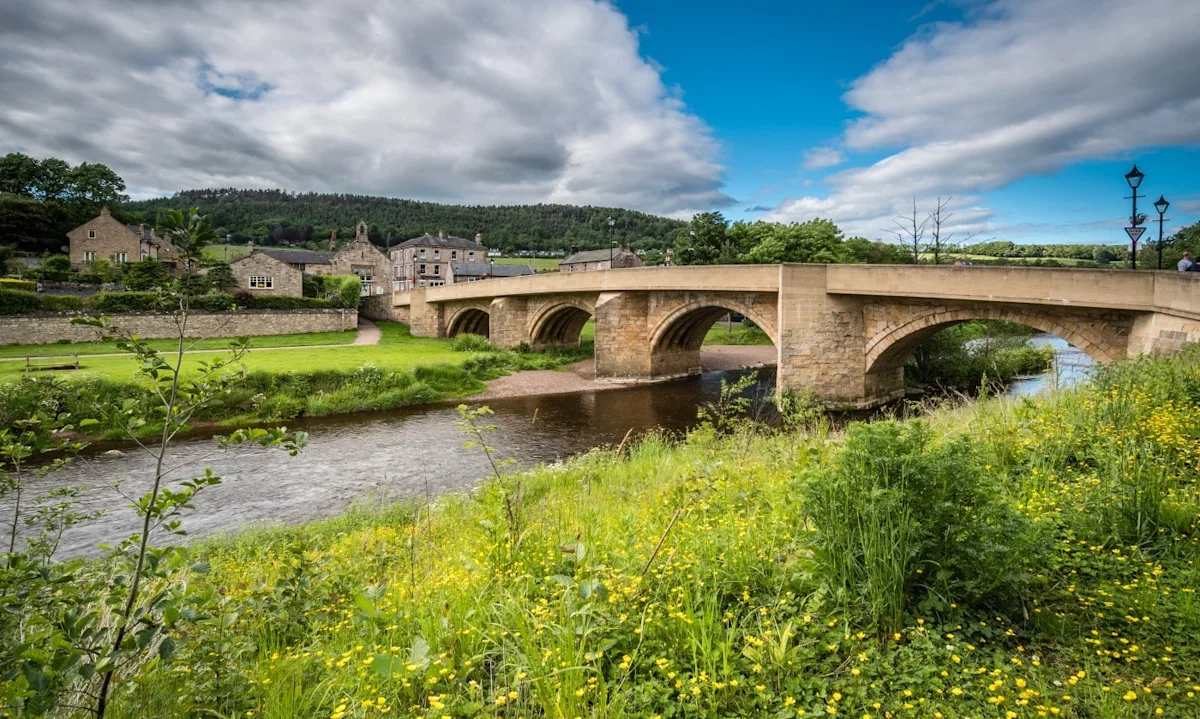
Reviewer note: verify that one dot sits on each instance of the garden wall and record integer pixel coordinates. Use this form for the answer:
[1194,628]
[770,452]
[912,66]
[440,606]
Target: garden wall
[51,327]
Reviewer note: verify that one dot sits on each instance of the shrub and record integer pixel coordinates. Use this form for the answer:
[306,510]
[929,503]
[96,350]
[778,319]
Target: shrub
[57,263]
[87,278]
[19,285]
[146,275]
[278,302]
[16,302]
[311,288]
[907,523]
[467,342]
[221,277]
[125,302]
[58,303]
[213,303]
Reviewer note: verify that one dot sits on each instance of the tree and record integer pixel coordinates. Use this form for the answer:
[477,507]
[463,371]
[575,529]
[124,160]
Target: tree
[53,179]
[221,277]
[31,225]
[96,184]
[911,232]
[705,241]
[188,231]
[146,275]
[18,174]
[818,241]
[940,241]
[862,250]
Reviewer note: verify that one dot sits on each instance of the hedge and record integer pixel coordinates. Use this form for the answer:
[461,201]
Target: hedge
[21,285]
[16,302]
[149,302]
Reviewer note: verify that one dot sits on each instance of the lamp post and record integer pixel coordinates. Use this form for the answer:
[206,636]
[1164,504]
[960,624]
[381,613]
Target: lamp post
[1134,178]
[1161,206]
[611,255]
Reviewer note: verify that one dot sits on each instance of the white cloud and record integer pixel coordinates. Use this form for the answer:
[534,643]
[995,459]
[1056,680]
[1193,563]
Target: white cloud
[820,158]
[1024,87]
[465,100]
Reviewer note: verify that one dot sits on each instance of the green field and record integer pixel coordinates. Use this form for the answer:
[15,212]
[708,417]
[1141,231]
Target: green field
[227,253]
[539,264]
[397,350]
[1014,260]
[718,334]
[95,348]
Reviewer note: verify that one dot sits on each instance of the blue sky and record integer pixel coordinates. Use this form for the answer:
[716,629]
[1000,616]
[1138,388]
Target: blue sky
[770,80]
[1026,113]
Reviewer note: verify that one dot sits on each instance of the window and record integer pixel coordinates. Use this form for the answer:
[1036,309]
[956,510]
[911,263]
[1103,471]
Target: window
[471,256]
[145,254]
[437,254]
[454,254]
[422,270]
[91,234]
[119,257]
[437,269]
[422,253]
[258,282]
[89,256]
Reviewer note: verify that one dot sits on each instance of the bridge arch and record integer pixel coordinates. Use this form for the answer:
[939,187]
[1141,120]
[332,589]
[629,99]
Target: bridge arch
[560,323]
[684,327]
[473,319]
[890,348]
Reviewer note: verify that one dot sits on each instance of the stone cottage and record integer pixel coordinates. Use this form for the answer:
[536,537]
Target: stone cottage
[105,238]
[361,257]
[592,260]
[261,274]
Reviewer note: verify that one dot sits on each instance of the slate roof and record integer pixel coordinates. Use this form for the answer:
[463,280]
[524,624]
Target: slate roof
[428,240]
[479,269]
[299,257]
[591,256]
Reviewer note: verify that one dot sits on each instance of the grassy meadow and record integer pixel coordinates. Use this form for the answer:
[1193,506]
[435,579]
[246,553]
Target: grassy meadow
[1003,558]
[216,343]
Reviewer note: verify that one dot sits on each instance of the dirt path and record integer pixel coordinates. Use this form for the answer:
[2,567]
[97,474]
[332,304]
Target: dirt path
[581,377]
[368,333]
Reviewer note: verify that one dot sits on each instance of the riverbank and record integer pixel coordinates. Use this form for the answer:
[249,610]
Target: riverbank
[705,576]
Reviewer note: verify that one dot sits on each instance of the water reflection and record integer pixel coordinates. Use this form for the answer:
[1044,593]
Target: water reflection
[1071,366]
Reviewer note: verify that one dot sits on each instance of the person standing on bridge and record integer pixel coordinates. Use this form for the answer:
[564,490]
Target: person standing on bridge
[1186,264]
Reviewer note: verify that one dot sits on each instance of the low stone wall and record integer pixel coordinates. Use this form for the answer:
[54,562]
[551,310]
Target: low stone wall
[379,307]
[51,327]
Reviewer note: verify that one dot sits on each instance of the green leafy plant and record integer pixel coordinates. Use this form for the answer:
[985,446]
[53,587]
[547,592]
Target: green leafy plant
[467,342]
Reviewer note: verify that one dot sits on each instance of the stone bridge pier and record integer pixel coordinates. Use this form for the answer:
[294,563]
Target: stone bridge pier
[844,331]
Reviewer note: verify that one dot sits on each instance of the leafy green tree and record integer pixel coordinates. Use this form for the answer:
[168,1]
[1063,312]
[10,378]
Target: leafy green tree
[53,179]
[189,231]
[874,252]
[18,174]
[705,241]
[816,241]
[653,257]
[31,225]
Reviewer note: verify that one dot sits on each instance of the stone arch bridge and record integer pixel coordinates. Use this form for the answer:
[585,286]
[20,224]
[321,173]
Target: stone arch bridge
[843,330]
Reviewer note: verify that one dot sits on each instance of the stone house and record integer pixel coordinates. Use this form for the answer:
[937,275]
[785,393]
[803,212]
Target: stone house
[361,257]
[592,260]
[307,261]
[475,271]
[105,238]
[428,261]
[260,273]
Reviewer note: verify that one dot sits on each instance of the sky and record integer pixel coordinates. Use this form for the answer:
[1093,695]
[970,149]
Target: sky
[1022,115]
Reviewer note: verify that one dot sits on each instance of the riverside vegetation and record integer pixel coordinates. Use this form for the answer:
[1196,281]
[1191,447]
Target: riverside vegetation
[1004,558]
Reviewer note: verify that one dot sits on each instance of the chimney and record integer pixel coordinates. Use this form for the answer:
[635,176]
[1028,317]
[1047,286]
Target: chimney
[479,238]
[441,234]
[104,211]
[250,247]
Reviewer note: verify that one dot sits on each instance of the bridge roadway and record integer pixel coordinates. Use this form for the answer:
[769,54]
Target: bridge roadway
[843,330]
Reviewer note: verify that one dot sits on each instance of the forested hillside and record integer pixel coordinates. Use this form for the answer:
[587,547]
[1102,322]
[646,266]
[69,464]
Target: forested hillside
[266,215]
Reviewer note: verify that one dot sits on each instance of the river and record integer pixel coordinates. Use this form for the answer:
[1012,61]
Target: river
[403,453]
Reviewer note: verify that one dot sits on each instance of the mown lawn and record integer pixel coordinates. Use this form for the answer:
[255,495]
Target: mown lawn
[397,350]
[718,334]
[94,348]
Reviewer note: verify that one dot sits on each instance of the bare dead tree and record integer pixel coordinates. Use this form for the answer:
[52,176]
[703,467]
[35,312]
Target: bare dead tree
[940,242]
[911,232]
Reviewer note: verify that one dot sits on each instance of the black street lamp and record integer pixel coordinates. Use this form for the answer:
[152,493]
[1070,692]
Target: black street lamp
[1134,178]
[611,226]
[1161,206]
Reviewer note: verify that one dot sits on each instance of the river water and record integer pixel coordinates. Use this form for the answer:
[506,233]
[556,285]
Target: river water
[404,453]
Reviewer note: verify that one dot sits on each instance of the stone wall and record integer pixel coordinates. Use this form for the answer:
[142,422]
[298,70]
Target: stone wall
[51,327]
[111,237]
